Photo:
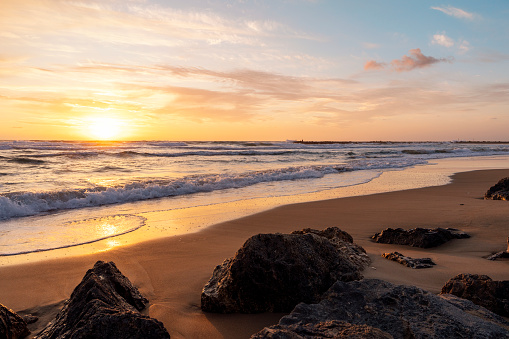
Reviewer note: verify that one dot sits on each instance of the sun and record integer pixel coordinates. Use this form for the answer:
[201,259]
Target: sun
[105,128]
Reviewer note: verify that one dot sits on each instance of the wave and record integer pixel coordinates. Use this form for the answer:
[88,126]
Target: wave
[25,160]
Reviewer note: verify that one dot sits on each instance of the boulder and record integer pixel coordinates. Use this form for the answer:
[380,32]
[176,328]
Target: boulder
[398,310]
[500,191]
[274,272]
[481,290]
[104,305]
[343,242]
[419,237]
[409,262]
[327,329]
[12,326]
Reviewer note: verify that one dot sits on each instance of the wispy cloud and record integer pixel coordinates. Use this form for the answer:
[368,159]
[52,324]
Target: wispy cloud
[455,12]
[406,63]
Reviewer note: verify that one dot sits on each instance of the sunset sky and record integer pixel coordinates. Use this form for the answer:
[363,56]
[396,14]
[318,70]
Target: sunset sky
[254,70]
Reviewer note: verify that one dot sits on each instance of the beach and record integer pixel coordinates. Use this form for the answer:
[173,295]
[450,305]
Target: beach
[171,271]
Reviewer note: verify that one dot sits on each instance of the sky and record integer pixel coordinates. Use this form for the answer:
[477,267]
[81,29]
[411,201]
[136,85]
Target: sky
[357,70]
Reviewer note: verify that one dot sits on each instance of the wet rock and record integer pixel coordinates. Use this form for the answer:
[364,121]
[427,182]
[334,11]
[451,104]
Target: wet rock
[481,290]
[419,237]
[104,305]
[409,262]
[327,329]
[401,311]
[274,272]
[500,191]
[12,326]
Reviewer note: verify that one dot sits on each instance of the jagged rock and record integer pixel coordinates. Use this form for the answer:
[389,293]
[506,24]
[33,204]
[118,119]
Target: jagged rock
[481,290]
[30,318]
[343,242]
[401,311]
[12,326]
[409,262]
[503,254]
[274,272]
[419,237]
[500,191]
[327,329]
[104,305]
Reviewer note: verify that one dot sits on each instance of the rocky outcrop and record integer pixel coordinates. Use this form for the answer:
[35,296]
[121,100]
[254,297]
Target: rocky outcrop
[502,254]
[409,262]
[500,191]
[400,311]
[419,237]
[481,290]
[12,326]
[327,329]
[104,305]
[343,242]
[274,272]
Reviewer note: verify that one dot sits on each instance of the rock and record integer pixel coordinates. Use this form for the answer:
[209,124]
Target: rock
[30,318]
[409,262]
[343,242]
[327,329]
[401,311]
[419,237]
[104,305]
[274,272]
[481,290]
[503,254]
[12,326]
[500,191]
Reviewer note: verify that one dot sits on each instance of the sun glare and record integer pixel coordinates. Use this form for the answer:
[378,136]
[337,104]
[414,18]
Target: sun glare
[105,128]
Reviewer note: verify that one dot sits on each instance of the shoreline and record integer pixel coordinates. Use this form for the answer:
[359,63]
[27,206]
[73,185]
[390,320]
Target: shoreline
[171,271]
[163,219]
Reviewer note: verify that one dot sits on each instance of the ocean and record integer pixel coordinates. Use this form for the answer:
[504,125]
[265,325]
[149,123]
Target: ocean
[56,194]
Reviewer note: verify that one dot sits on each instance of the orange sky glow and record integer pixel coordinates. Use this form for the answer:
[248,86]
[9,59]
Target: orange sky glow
[268,70]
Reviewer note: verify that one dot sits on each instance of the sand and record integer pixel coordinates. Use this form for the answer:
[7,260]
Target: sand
[171,272]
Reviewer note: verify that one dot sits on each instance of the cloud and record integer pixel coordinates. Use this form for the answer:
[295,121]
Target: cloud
[455,12]
[407,63]
[442,40]
[373,65]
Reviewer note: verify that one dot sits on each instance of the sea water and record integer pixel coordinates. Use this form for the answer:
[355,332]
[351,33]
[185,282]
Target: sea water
[56,194]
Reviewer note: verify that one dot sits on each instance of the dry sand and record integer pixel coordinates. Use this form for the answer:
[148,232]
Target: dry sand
[171,272]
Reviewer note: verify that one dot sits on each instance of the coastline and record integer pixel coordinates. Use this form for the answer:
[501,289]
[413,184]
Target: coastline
[171,271]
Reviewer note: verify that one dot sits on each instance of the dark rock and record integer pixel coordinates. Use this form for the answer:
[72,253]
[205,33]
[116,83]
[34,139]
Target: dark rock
[503,254]
[327,329]
[500,191]
[481,290]
[30,318]
[419,237]
[343,242]
[12,326]
[401,311]
[409,262]
[274,272]
[104,305]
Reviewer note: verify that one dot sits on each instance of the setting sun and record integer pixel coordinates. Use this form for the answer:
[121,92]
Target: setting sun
[105,128]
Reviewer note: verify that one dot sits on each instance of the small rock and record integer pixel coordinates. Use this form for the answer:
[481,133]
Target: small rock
[409,262]
[12,326]
[419,237]
[105,305]
[274,272]
[30,318]
[481,290]
[500,191]
[503,254]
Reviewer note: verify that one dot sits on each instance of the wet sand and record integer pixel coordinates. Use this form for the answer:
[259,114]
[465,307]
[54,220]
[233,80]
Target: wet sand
[171,272]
